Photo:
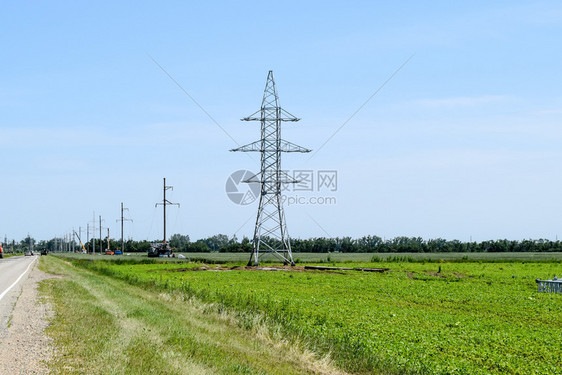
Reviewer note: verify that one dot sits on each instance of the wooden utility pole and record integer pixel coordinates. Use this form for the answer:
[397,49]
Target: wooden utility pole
[165,203]
[100,235]
[123,220]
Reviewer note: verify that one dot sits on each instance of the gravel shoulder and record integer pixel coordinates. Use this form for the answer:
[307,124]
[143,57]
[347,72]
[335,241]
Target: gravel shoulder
[24,347]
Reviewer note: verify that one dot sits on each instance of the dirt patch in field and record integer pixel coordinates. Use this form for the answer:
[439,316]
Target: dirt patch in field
[241,268]
[436,274]
[321,269]
[449,274]
[461,275]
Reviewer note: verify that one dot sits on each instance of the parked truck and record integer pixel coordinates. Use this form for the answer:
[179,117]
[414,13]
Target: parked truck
[159,249]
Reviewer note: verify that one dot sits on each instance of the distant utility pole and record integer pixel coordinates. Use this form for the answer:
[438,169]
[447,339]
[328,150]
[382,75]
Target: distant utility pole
[100,236]
[165,203]
[108,238]
[122,220]
[88,235]
[94,233]
[101,251]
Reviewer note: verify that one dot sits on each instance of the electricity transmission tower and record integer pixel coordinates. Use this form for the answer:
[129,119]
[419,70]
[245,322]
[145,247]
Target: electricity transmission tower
[165,203]
[270,233]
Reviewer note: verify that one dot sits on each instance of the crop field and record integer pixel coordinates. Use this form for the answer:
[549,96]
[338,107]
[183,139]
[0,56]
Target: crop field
[438,318]
[242,258]
[369,257]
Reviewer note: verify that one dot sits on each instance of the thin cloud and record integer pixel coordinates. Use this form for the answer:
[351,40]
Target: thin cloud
[462,101]
[557,111]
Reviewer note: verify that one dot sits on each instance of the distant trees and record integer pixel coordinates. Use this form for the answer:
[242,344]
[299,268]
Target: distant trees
[218,242]
[375,244]
[27,243]
[179,242]
[365,244]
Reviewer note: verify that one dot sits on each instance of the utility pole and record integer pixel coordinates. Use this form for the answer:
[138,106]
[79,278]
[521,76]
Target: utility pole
[100,236]
[94,233]
[88,235]
[270,233]
[165,203]
[123,220]
[108,238]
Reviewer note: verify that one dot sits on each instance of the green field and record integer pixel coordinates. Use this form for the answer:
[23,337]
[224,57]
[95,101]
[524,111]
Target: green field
[242,258]
[368,257]
[422,317]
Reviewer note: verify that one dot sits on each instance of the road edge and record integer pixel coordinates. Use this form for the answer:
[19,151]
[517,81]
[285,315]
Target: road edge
[25,346]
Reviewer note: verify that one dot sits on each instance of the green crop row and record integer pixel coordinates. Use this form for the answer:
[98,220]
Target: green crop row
[447,318]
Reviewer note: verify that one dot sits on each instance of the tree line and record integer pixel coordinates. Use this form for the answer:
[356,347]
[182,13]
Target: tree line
[365,244]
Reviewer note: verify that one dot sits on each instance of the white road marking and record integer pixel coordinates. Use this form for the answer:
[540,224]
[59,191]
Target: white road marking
[18,279]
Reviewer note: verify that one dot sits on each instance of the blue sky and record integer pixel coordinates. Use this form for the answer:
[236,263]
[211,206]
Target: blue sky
[463,142]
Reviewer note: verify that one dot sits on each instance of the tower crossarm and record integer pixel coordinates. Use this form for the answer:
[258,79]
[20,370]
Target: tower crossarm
[291,147]
[283,178]
[261,116]
[258,146]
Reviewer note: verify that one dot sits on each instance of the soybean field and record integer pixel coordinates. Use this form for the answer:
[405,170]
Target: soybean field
[438,317]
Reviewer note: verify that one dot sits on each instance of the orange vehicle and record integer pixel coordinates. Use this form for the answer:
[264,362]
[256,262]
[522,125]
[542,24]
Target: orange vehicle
[109,252]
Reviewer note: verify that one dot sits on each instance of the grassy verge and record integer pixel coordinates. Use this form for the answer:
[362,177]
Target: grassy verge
[104,325]
[7,255]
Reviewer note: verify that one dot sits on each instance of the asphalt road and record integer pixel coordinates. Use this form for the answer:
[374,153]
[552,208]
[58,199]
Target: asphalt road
[13,272]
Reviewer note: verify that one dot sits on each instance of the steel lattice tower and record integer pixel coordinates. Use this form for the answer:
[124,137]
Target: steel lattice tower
[270,233]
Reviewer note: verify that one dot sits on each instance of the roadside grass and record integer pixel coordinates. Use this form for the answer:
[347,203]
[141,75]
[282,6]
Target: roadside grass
[7,255]
[103,325]
[9,322]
